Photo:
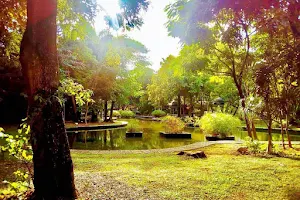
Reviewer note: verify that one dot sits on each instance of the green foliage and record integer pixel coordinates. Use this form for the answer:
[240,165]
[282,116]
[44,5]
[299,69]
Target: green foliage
[71,88]
[133,127]
[18,146]
[219,123]
[116,113]
[127,113]
[192,120]
[173,124]
[158,113]
[165,85]
[253,146]
[2,134]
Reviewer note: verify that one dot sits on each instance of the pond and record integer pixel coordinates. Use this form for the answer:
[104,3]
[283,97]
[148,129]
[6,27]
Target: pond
[115,139]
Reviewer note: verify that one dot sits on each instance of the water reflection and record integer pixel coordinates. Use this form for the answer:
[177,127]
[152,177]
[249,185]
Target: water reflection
[116,138]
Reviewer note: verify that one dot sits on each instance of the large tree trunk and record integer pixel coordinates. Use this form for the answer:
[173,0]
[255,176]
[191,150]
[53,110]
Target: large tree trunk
[111,111]
[53,167]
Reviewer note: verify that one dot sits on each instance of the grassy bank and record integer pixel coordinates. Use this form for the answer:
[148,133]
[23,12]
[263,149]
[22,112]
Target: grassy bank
[223,175]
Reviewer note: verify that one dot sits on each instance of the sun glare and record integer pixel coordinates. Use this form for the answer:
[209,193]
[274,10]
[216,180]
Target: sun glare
[111,7]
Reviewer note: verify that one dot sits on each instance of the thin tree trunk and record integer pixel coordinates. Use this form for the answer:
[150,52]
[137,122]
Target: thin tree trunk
[53,167]
[111,111]
[183,107]
[270,145]
[86,112]
[287,131]
[105,111]
[74,108]
[242,97]
[191,106]
[282,133]
[179,106]
[254,130]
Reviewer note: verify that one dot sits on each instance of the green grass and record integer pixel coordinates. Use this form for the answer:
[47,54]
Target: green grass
[223,175]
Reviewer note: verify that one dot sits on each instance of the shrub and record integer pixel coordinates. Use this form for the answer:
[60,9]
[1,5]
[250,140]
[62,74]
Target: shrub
[126,113]
[133,127]
[219,123]
[116,113]
[18,146]
[253,146]
[173,124]
[194,119]
[158,113]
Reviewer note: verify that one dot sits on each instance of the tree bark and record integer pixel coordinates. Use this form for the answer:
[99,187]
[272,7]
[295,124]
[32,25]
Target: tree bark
[242,97]
[179,106]
[270,145]
[282,133]
[253,130]
[74,108]
[111,111]
[287,131]
[53,167]
[86,112]
[105,111]
[191,106]
[183,107]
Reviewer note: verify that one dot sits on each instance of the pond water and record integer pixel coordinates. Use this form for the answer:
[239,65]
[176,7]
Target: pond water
[115,139]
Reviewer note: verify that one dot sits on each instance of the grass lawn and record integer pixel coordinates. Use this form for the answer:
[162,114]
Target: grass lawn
[223,175]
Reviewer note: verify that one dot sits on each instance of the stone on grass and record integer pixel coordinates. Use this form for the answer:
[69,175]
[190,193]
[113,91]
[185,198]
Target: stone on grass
[243,150]
[198,154]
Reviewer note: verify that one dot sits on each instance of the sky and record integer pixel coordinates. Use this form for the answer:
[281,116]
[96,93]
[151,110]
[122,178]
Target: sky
[153,34]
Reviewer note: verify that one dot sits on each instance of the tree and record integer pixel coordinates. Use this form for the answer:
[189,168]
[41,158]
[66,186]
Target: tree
[53,168]
[225,34]
[279,53]
[165,85]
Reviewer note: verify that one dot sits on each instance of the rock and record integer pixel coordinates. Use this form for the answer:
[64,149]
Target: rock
[180,153]
[243,150]
[198,154]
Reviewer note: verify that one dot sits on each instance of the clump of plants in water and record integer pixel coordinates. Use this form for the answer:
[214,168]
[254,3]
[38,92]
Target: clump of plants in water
[126,114]
[173,124]
[219,124]
[133,127]
[18,147]
[192,120]
[158,113]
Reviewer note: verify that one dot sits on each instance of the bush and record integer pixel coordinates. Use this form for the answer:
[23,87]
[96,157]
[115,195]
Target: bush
[126,113]
[158,113]
[173,124]
[220,124]
[115,113]
[193,120]
[253,146]
[133,127]
[18,146]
